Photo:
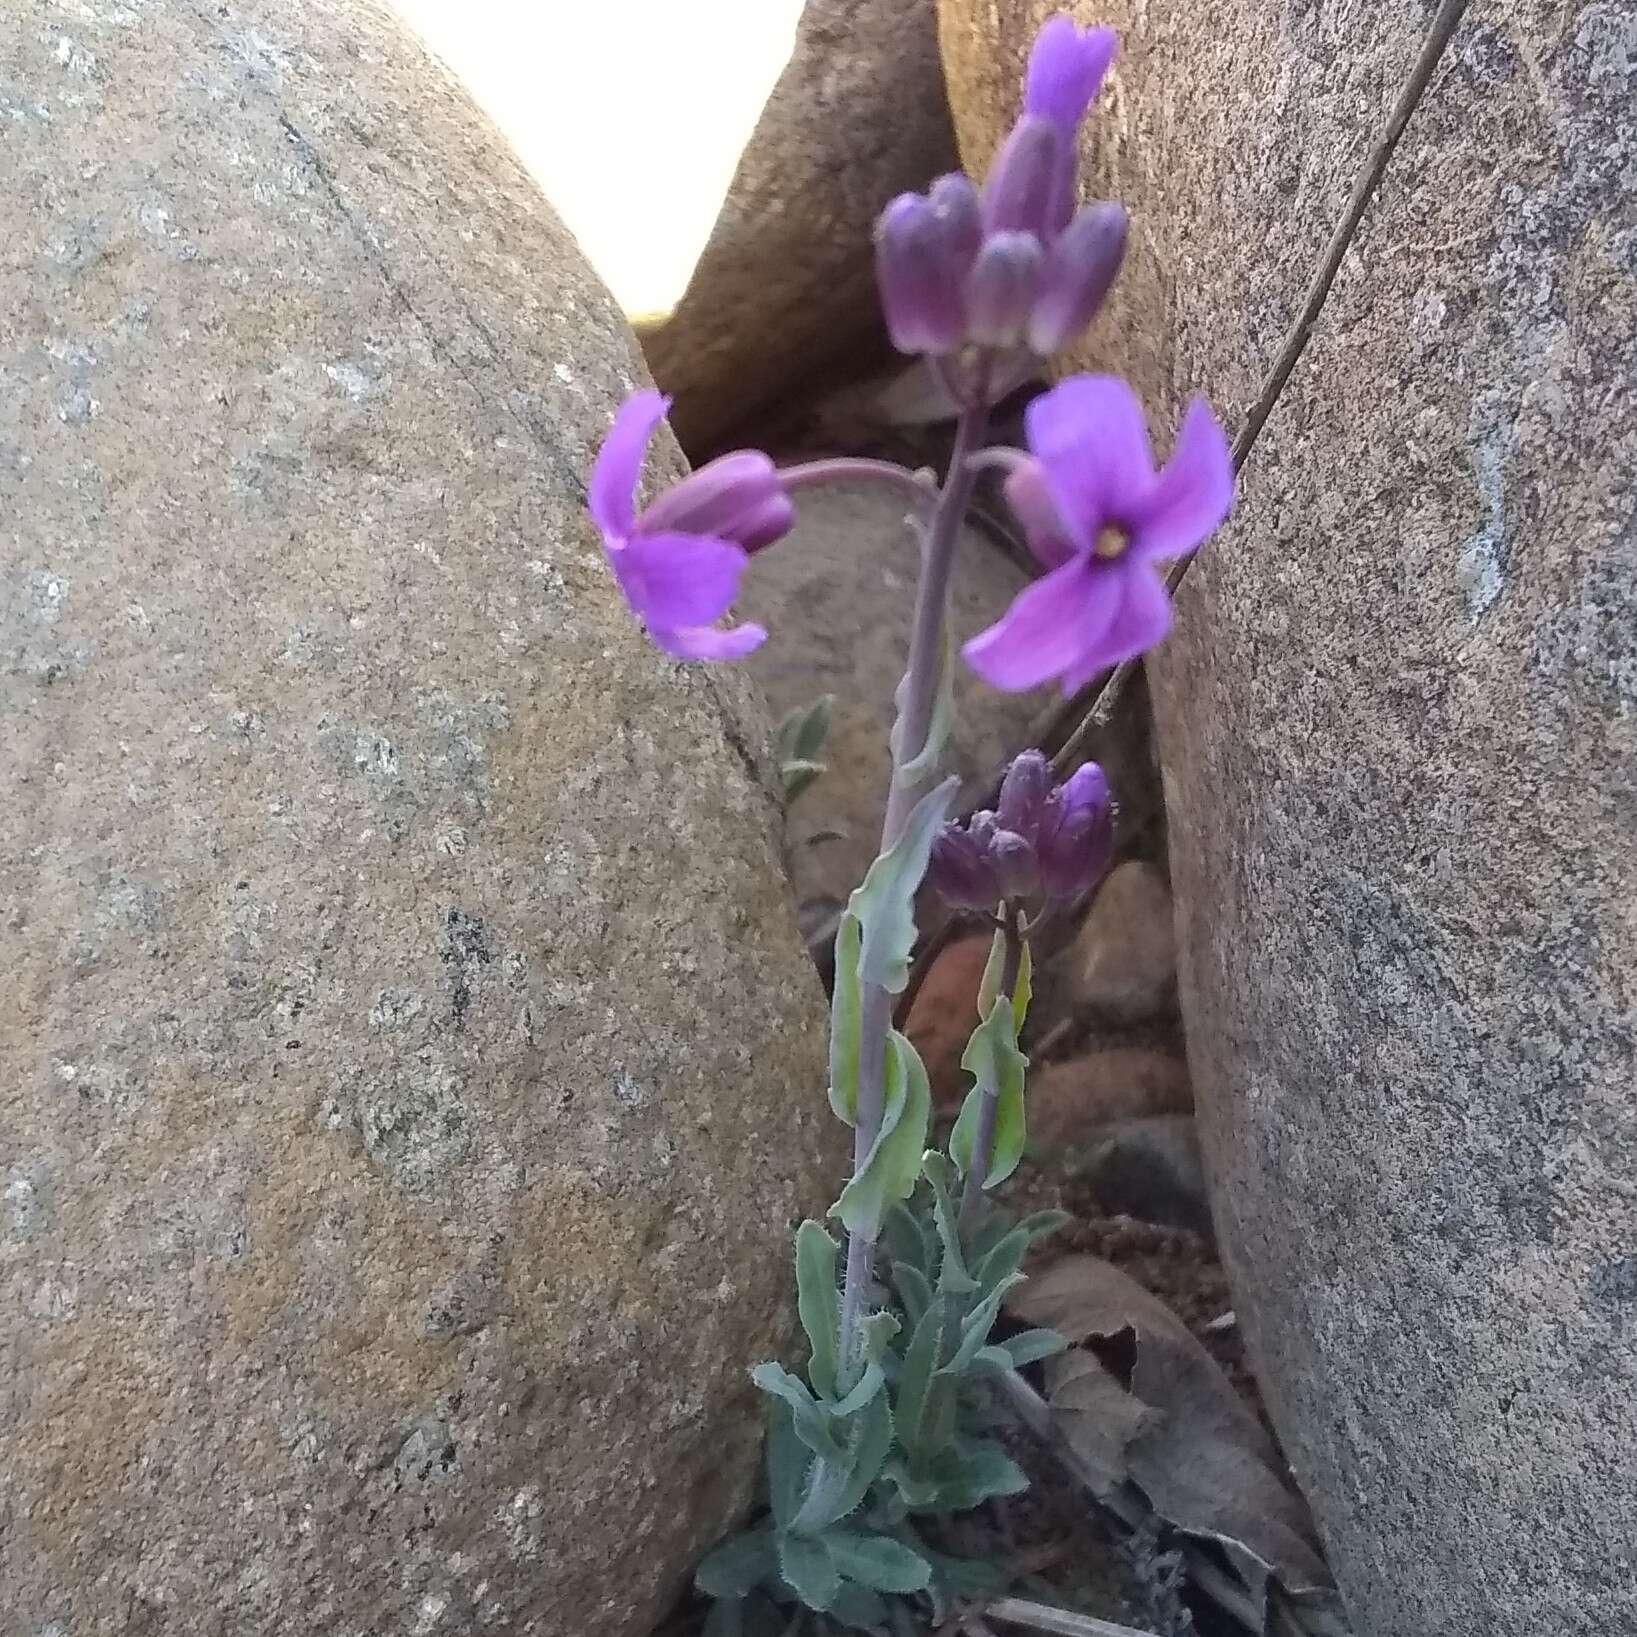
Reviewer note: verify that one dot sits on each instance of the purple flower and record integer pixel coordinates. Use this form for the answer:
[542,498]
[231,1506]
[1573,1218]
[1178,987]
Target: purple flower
[1042,844]
[678,562]
[1098,516]
[1066,70]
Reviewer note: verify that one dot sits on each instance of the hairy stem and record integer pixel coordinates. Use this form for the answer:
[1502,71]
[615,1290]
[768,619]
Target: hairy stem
[919,692]
[983,1143]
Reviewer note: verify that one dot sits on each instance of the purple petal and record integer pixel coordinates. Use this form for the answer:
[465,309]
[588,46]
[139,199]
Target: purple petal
[1142,614]
[735,497]
[611,493]
[1044,632]
[1031,504]
[1021,191]
[1066,68]
[708,642]
[1085,788]
[1194,492]
[1090,437]
[673,580]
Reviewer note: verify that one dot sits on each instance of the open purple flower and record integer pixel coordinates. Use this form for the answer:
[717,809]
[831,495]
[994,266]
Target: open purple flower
[1099,517]
[679,561]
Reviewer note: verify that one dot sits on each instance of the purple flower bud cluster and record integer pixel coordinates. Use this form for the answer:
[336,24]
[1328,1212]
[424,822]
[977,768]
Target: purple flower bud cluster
[1015,266]
[1043,843]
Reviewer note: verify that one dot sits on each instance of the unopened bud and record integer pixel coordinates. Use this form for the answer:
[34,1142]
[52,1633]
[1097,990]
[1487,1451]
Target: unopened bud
[735,497]
[1077,851]
[954,201]
[1000,289]
[1025,180]
[1023,794]
[1080,267]
[916,270]
[959,871]
[1017,869]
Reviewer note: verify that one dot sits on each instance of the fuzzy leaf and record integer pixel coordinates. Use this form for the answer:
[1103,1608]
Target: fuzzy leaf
[846,1001]
[894,1162]
[803,731]
[993,1059]
[807,1569]
[978,1323]
[737,1567]
[811,1420]
[885,902]
[907,1241]
[879,1562]
[870,1383]
[859,1609]
[839,1489]
[985,1471]
[989,984]
[798,775]
[953,1278]
[818,1304]
[915,1380]
[788,1460]
[1030,1346]
[913,1290]
[938,729]
[878,1332]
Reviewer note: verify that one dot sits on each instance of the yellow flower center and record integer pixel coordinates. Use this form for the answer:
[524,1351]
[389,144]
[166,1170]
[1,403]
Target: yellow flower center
[1111,542]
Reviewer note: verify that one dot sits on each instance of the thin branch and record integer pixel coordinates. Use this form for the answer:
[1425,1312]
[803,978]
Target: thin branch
[1018,1611]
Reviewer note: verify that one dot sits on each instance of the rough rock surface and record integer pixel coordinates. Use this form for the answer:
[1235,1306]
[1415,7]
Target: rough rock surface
[786,285]
[1400,727]
[837,596]
[406,1051]
[1069,1100]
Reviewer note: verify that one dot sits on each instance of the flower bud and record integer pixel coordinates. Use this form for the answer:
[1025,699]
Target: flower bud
[1023,794]
[1017,869]
[1000,289]
[1080,267]
[916,269]
[1082,842]
[958,870]
[1025,180]
[954,201]
[735,497]
[1067,65]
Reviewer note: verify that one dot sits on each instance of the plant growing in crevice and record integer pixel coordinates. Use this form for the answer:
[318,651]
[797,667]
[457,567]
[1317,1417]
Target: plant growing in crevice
[888,1432]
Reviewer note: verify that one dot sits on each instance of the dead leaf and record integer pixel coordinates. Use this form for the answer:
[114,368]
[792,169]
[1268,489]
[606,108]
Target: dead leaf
[1139,1398]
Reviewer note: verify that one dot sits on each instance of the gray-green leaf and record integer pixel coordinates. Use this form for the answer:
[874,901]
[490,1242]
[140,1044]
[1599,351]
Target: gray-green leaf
[885,902]
[993,1059]
[890,1170]
[737,1567]
[879,1562]
[818,1304]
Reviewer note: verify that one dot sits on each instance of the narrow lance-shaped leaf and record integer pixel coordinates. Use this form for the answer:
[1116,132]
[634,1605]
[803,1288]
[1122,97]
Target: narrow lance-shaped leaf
[998,1067]
[894,1162]
[885,902]
[846,1000]
[994,969]
[818,1305]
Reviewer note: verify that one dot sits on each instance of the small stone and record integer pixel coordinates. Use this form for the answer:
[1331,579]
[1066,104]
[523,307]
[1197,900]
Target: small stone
[1069,1101]
[945,1013]
[1151,1169]
[1123,965]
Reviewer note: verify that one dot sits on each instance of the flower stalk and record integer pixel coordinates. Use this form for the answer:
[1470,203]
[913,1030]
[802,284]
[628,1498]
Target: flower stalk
[917,696]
